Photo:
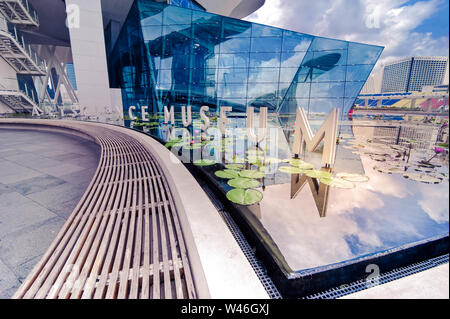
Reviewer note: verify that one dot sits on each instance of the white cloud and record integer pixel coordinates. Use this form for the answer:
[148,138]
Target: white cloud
[389,23]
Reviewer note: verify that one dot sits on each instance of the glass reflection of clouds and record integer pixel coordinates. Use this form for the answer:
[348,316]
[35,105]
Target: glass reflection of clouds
[177,55]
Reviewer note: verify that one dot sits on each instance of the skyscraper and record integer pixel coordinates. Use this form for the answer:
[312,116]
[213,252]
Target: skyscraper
[411,74]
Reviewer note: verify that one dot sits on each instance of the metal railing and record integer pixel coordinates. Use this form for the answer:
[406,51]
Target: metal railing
[19,38]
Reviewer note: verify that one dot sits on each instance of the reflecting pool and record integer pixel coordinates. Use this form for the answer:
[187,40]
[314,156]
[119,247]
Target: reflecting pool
[388,189]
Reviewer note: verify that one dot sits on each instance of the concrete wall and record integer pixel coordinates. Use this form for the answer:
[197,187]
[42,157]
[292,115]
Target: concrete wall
[89,58]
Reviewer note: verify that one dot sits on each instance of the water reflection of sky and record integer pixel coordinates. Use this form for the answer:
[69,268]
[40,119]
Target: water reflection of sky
[387,212]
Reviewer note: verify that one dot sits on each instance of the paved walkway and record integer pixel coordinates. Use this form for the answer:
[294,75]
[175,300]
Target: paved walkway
[429,284]
[42,178]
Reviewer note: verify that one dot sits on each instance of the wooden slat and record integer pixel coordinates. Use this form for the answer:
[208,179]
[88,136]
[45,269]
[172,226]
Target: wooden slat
[125,223]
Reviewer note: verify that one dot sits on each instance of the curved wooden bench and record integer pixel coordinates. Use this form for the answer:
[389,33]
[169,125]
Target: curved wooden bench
[124,239]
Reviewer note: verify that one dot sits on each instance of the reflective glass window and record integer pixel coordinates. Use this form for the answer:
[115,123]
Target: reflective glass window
[358,72]
[236,28]
[264,75]
[359,53]
[259,30]
[266,44]
[232,45]
[236,60]
[293,41]
[267,60]
[177,15]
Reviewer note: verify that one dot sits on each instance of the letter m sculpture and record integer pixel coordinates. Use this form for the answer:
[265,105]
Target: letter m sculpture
[327,132]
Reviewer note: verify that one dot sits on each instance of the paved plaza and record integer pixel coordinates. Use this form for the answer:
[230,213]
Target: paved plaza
[42,178]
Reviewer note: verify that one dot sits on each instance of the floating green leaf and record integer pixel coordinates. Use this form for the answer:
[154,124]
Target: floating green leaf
[251,174]
[291,170]
[318,174]
[424,178]
[389,169]
[244,196]
[227,174]
[243,183]
[234,166]
[204,162]
[353,177]
[336,182]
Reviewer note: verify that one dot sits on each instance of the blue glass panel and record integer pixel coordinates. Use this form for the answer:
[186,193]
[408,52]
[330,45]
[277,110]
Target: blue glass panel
[358,72]
[261,90]
[352,89]
[335,74]
[206,17]
[300,90]
[293,41]
[287,74]
[225,90]
[235,45]
[264,75]
[151,33]
[269,59]
[321,44]
[177,15]
[235,60]
[206,34]
[327,89]
[266,44]
[236,28]
[324,105]
[233,75]
[292,59]
[363,54]
[150,12]
[259,30]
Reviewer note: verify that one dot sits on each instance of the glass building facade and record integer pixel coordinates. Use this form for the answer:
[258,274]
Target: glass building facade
[172,55]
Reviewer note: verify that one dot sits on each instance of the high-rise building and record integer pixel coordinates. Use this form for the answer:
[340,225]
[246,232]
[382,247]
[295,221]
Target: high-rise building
[171,52]
[411,74]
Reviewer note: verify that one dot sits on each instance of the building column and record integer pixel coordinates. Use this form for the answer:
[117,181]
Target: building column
[413,103]
[85,22]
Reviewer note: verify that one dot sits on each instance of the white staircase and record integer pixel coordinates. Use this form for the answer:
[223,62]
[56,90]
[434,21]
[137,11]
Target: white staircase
[19,12]
[19,102]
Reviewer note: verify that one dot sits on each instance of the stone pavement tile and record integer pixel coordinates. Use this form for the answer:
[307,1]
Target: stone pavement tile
[36,184]
[8,280]
[23,270]
[11,173]
[67,157]
[29,243]
[83,177]
[32,161]
[53,197]
[18,212]
[5,189]
[85,161]
[61,169]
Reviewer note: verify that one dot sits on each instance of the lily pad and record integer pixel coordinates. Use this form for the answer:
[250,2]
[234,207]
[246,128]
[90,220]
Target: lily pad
[251,174]
[234,166]
[337,182]
[227,174]
[244,196]
[243,183]
[389,169]
[204,162]
[353,177]
[301,164]
[424,178]
[318,174]
[291,170]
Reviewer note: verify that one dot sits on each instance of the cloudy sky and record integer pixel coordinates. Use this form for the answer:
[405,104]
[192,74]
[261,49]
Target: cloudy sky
[404,28]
